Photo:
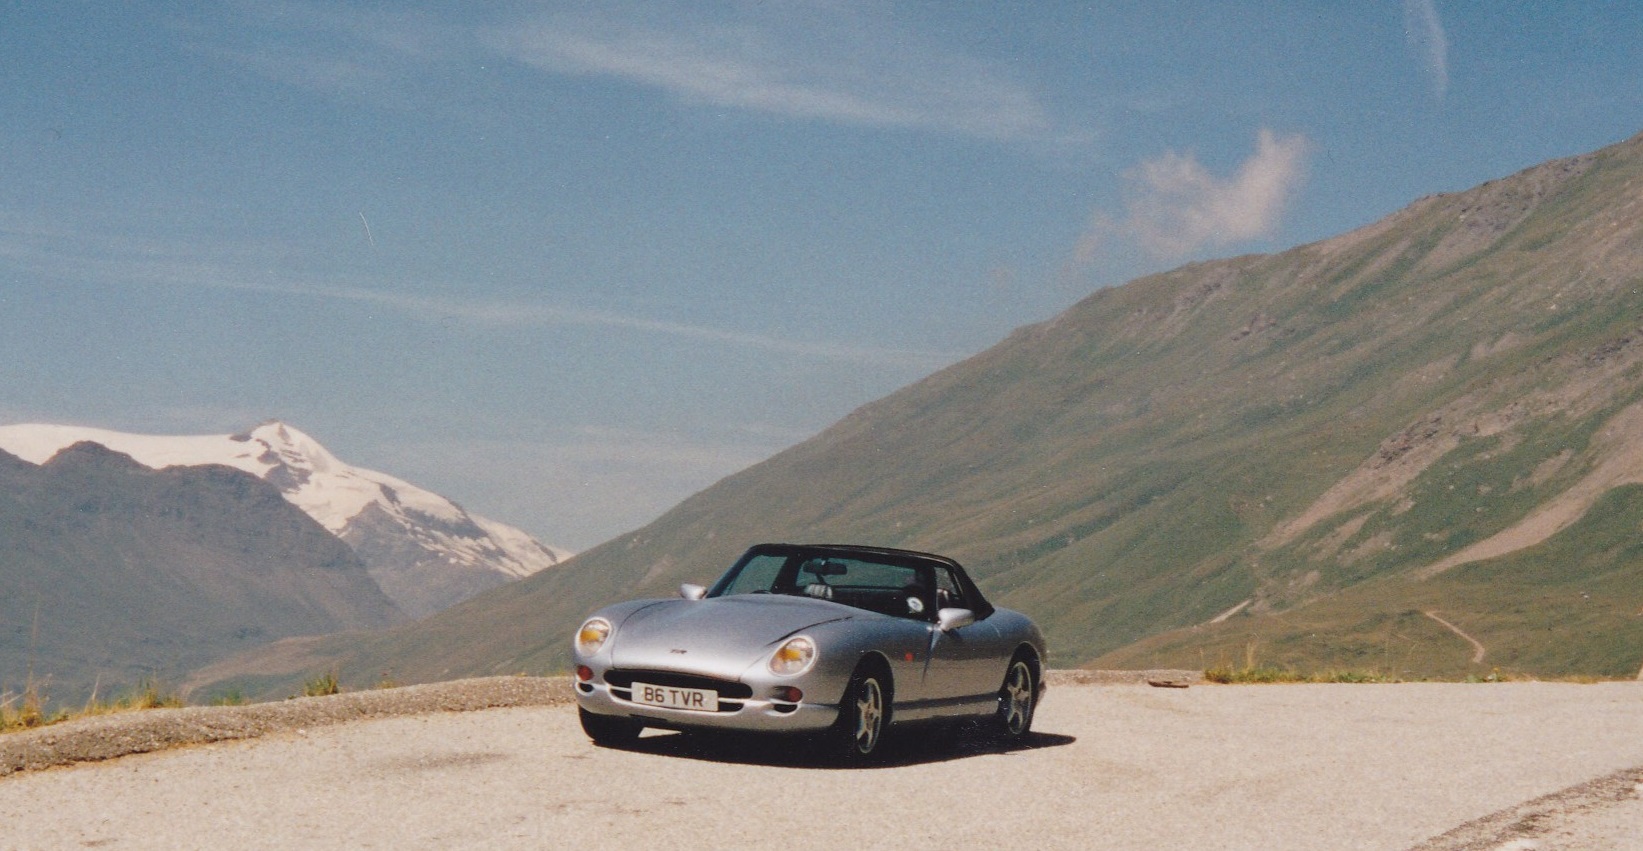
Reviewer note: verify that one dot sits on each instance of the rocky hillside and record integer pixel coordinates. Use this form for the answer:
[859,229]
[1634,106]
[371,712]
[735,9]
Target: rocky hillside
[1291,457]
[111,572]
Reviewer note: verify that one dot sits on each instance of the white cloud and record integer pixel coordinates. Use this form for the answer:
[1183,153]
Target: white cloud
[1424,32]
[836,63]
[1175,207]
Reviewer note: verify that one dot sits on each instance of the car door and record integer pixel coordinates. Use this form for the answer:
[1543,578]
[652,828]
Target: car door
[966,665]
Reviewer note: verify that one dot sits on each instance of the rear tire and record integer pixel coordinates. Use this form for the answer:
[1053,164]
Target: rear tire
[609,730]
[1017,700]
[864,716]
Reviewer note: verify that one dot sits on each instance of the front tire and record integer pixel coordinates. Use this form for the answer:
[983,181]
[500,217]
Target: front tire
[609,731]
[863,718]
[1017,700]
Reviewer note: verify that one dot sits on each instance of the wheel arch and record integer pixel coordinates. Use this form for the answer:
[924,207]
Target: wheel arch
[1035,663]
[878,663]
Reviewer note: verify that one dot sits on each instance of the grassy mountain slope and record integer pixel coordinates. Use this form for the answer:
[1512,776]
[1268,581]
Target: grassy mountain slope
[1572,604]
[111,572]
[1272,434]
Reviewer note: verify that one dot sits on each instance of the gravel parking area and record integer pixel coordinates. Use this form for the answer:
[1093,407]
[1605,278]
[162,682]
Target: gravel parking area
[1436,766]
[127,733]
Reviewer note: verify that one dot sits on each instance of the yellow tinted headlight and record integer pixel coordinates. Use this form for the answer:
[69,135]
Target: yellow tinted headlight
[795,656]
[592,636]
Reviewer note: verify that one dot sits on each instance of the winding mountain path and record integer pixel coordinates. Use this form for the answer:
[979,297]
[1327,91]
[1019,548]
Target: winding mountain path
[1222,617]
[1478,650]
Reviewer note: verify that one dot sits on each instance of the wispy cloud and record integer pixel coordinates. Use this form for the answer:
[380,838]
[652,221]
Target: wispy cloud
[494,313]
[1424,32]
[837,62]
[1175,207]
[309,69]
[378,56]
[63,255]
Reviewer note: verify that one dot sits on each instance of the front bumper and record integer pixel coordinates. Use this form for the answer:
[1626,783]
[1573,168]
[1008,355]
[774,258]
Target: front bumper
[756,713]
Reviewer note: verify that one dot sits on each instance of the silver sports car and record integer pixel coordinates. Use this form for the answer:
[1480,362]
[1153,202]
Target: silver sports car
[844,641]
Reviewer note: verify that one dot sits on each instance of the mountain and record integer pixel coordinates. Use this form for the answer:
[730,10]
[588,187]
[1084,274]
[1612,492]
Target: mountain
[1304,458]
[111,572]
[425,551]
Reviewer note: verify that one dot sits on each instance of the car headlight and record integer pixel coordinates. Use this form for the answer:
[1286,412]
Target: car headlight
[795,656]
[592,636]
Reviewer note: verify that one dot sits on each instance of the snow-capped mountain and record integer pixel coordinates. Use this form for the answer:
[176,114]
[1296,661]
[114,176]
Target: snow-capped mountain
[111,572]
[425,551]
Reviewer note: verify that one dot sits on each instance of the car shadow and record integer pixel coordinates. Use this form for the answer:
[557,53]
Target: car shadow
[915,746]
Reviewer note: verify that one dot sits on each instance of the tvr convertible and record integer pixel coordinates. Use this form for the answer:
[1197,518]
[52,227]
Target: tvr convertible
[845,642]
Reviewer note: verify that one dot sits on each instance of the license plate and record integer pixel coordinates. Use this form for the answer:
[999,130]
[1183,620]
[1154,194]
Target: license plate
[673,697]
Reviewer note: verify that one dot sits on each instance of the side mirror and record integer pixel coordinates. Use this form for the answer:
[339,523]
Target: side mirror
[948,620]
[692,592]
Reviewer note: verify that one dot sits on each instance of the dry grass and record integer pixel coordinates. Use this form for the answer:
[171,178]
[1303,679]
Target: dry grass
[322,685]
[1254,672]
[27,711]
[1266,675]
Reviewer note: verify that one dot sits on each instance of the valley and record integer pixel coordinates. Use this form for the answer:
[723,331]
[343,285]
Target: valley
[1288,458]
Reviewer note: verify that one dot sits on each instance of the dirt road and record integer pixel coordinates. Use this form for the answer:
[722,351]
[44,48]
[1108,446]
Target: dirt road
[1271,767]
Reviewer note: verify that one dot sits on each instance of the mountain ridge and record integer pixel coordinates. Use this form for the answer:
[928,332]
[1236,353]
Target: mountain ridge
[424,550]
[114,572]
[1197,462]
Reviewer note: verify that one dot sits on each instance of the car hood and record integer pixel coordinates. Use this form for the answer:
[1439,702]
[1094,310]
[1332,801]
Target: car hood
[720,636]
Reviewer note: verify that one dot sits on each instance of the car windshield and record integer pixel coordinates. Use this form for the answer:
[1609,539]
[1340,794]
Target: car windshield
[886,586]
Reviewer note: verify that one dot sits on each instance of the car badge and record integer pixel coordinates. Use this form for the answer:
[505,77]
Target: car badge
[679,651]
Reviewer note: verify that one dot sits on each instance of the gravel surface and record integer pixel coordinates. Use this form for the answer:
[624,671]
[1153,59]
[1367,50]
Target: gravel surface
[1112,766]
[1604,813]
[127,733]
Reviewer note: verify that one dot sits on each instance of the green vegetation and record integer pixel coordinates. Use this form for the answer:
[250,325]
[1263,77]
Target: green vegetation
[1142,464]
[230,697]
[322,685]
[1265,675]
[148,695]
[1252,672]
[1571,606]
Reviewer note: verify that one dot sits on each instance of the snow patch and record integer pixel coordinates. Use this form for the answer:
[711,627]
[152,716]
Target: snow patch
[314,480]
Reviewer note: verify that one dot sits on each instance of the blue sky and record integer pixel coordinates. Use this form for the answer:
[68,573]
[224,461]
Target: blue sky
[568,263]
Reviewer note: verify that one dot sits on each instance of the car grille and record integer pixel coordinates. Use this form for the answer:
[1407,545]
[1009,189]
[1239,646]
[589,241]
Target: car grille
[731,694]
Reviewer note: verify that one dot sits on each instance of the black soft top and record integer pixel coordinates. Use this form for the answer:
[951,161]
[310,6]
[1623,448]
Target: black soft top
[889,555]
